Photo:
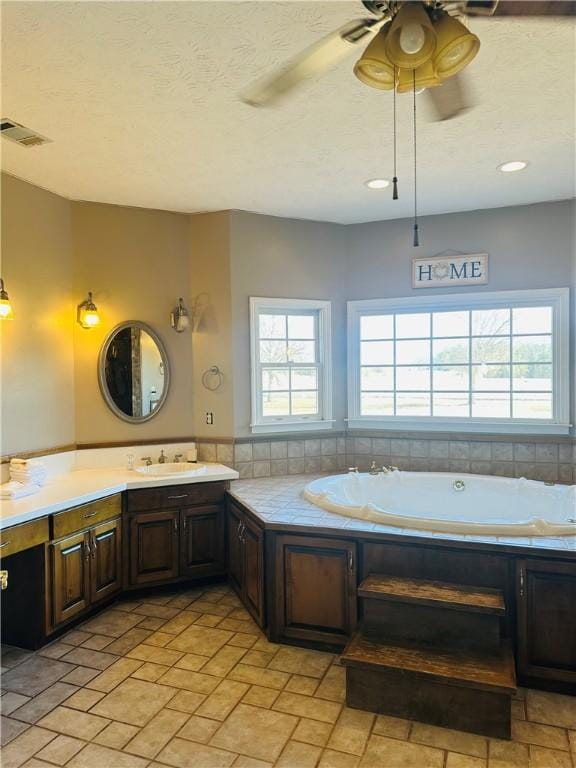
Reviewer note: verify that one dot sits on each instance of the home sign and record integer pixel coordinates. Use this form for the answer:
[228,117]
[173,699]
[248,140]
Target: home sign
[447,271]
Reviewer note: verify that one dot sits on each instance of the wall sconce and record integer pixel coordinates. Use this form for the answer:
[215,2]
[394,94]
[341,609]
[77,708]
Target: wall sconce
[6,311]
[180,317]
[87,313]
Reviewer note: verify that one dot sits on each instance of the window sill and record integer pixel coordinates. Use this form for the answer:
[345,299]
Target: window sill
[292,426]
[491,426]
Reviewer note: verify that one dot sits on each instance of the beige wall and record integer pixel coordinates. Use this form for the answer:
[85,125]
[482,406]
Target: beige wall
[136,262]
[37,363]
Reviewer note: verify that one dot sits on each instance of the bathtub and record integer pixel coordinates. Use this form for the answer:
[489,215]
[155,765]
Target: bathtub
[450,503]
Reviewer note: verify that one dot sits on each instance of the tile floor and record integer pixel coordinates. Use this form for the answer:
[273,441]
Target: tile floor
[188,680]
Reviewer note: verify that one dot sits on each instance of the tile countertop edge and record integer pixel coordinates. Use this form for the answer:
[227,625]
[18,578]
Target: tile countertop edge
[92,485]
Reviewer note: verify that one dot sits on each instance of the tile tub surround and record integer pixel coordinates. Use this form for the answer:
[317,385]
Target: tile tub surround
[546,459]
[229,698]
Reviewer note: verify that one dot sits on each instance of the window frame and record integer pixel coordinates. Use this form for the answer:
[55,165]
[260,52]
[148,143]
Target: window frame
[557,298]
[261,424]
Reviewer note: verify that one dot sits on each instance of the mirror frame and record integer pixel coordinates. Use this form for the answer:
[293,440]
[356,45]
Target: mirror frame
[102,371]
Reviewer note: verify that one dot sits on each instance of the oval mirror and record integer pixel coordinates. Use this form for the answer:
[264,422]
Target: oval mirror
[133,371]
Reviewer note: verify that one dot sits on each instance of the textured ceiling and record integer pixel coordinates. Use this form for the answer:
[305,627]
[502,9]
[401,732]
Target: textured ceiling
[140,100]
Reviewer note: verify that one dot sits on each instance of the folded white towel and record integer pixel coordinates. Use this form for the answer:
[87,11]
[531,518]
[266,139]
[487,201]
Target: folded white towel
[14,490]
[37,477]
[27,463]
[28,472]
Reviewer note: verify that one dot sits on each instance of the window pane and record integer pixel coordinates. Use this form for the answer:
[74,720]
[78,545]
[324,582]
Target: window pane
[301,327]
[491,350]
[412,352]
[301,351]
[412,404]
[275,378]
[272,326]
[450,350]
[491,406]
[275,403]
[490,322]
[532,320]
[532,377]
[491,378]
[532,349]
[413,326]
[451,377]
[529,406]
[304,403]
[377,353]
[273,352]
[377,378]
[376,326]
[413,378]
[454,405]
[376,404]
[450,324]
[304,378]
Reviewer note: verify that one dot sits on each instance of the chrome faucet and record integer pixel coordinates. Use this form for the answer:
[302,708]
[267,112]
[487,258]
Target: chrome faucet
[178,458]
[148,460]
[387,470]
[353,470]
[162,457]
[374,469]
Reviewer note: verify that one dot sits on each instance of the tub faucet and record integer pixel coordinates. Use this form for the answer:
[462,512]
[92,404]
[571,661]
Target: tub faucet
[178,458]
[353,470]
[374,469]
[162,457]
[387,470]
[147,460]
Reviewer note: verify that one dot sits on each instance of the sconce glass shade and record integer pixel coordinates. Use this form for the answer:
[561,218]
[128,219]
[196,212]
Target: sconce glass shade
[87,313]
[180,317]
[412,39]
[426,77]
[6,311]
[456,46]
[374,68]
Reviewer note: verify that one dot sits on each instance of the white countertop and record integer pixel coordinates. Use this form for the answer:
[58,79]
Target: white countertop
[84,485]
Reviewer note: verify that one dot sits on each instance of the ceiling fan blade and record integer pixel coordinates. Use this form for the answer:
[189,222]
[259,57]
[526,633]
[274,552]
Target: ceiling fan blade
[314,60]
[496,8]
[449,100]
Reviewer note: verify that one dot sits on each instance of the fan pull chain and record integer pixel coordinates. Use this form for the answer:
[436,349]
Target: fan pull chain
[416,241]
[395,179]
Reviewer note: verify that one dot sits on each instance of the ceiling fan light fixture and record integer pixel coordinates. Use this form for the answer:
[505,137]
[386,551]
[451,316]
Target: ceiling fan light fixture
[374,68]
[377,183]
[412,40]
[456,46]
[425,75]
[513,166]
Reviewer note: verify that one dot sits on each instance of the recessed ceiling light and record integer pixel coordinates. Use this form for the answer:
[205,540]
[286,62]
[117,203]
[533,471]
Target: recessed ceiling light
[377,183]
[512,166]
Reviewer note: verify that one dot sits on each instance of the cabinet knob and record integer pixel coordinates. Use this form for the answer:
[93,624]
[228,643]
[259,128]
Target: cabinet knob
[3,579]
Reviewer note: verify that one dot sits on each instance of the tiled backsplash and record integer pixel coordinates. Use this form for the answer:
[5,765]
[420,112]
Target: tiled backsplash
[547,460]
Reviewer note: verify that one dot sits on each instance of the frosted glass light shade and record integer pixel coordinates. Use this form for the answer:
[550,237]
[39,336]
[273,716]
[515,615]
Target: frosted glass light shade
[426,77]
[411,41]
[374,68]
[456,46]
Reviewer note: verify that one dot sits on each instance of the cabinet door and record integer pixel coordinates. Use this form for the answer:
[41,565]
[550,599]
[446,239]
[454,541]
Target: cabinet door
[235,558]
[316,584]
[106,571]
[70,577]
[253,594]
[547,620]
[202,541]
[153,546]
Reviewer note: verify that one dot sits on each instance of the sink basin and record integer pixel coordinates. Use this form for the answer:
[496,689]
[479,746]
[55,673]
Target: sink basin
[172,469]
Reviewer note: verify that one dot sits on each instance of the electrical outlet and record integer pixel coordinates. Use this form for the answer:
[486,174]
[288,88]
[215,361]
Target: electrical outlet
[209,417]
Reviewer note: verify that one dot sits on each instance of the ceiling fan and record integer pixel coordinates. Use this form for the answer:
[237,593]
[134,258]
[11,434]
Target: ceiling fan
[411,44]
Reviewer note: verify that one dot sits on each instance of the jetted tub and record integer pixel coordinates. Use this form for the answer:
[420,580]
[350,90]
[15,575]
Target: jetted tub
[435,501]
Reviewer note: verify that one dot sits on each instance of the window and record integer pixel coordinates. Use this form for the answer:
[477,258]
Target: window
[470,361]
[291,365]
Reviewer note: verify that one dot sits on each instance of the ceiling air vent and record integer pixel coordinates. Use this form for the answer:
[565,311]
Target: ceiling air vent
[20,134]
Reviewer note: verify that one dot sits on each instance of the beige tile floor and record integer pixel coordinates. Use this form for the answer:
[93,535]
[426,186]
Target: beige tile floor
[188,680]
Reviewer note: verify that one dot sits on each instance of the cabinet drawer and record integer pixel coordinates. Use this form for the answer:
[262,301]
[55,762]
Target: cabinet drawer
[176,496]
[23,536]
[78,518]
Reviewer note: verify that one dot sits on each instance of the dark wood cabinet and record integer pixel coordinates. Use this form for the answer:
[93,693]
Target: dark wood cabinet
[106,560]
[70,571]
[316,581]
[546,598]
[246,561]
[153,546]
[202,541]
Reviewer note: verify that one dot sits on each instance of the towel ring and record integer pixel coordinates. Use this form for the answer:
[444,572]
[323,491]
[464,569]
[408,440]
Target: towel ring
[213,378]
